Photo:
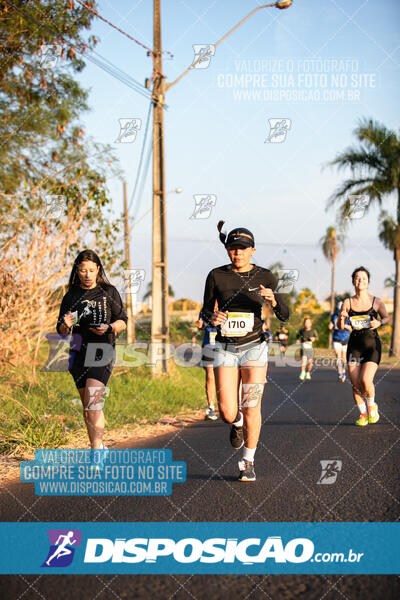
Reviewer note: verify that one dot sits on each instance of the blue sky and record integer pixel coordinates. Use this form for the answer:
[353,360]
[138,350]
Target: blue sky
[342,56]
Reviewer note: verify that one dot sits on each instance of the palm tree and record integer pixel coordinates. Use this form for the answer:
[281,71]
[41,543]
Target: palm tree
[375,169]
[149,291]
[330,244]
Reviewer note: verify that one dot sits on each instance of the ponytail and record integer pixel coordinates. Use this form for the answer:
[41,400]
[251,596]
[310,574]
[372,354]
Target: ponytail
[222,236]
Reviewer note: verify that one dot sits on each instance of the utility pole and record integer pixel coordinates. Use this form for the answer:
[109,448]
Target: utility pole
[160,314]
[130,332]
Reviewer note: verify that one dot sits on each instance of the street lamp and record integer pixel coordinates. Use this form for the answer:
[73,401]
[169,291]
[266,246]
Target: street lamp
[284,4]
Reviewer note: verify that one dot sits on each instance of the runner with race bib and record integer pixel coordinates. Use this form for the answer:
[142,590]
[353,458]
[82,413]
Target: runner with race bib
[340,339]
[207,362]
[282,337]
[241,352]
[364,347]
[305,337]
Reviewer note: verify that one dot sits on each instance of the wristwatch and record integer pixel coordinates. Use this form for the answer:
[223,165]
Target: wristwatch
[110,329]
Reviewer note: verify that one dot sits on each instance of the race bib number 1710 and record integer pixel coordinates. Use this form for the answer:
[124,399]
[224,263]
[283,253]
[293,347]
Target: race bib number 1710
[237,324]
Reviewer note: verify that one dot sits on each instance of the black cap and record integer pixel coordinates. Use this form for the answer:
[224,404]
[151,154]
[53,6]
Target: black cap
[241,237]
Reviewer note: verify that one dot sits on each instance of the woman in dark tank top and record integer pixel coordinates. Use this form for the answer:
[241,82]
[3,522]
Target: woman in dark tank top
[364,347]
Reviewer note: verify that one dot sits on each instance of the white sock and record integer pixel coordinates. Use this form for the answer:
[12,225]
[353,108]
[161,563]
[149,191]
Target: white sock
[362,408]
[248,453]
[239,423]
[370,401]
[211,407]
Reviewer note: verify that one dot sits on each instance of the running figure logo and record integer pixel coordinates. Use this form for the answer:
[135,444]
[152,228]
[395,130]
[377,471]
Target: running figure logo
[54,206]
[203,205]
[286,280]
[49,55]
[61,551]
[356,206]
[97,397]
[278,129]
[128,129]
[330,470]
[252,394]
[204,52]
[132,280]
[59,347]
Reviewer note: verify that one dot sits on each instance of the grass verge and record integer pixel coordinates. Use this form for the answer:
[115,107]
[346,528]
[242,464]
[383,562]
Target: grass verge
[49,414]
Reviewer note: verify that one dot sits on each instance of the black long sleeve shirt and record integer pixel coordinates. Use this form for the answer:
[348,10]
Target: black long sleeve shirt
[239,292]
[95,306]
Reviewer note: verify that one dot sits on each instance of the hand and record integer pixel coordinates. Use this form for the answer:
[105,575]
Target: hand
[374,324]
[268,294]
[68,319]
[219,317]
[100,329]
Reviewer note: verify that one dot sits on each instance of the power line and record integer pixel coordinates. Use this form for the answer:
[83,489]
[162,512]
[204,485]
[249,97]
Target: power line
[140,194]
[128,35]
[111,69]
[117,73]
[92,10]
[141,157]
[143,182]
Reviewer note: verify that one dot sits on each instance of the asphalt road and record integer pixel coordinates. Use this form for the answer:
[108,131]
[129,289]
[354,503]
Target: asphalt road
[304,423]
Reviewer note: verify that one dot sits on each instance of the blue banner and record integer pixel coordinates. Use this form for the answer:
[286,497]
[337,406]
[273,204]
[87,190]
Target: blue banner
[200,548]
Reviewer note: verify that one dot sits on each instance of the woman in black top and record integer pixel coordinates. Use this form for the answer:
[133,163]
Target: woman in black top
[92,311]
[240,355]
[364,347]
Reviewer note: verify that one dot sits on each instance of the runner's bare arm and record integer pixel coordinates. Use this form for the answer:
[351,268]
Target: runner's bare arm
[383,313]
[343,313]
